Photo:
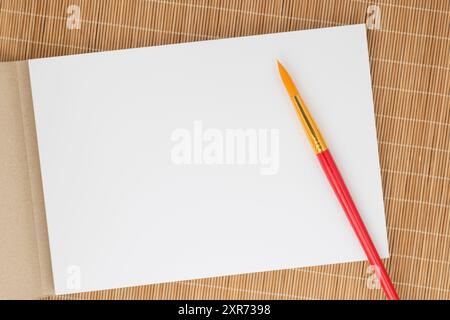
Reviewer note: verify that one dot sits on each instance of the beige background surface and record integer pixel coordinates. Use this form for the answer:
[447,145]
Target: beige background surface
[410,59]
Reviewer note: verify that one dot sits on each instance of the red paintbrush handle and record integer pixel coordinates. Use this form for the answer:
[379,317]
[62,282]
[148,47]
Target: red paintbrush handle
[341,191]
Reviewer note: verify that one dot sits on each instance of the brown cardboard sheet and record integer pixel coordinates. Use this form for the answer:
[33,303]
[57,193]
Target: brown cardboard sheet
[25,270]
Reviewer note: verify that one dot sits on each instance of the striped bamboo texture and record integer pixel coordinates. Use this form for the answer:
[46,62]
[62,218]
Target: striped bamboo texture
[410,66]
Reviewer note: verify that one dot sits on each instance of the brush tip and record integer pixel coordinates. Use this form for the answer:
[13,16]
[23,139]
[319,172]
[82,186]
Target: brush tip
[287,81]
[280,66]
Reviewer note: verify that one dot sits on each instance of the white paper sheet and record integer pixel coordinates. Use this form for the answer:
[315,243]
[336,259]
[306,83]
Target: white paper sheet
[129,201]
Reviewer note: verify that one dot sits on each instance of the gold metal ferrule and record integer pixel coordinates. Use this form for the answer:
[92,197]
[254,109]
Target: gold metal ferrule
[312,131]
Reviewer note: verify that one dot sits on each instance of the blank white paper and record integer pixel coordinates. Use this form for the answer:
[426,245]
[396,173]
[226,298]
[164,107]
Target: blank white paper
[133,147]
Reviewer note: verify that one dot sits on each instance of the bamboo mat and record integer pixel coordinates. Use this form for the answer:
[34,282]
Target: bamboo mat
[410,65]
